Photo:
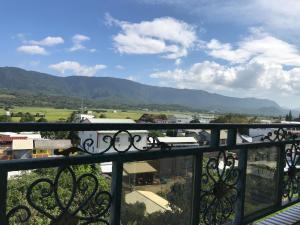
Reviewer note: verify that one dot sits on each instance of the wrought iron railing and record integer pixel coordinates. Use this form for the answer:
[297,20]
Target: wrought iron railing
[234,183]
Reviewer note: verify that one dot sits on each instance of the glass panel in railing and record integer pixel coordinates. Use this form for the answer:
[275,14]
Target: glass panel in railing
[157,191]
[261,179]
[291,178]
[220,176]
[64,195]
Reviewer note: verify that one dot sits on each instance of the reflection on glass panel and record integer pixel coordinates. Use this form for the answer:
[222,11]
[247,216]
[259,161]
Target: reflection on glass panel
[261,185]
[65,195]
[157,192]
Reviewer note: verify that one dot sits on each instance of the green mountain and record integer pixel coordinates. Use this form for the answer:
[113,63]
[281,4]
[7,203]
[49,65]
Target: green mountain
[21,87]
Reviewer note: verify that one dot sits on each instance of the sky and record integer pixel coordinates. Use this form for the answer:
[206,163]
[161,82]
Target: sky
[245,48]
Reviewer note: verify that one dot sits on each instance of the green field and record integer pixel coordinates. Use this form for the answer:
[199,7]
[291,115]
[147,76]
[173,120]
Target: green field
[53,114]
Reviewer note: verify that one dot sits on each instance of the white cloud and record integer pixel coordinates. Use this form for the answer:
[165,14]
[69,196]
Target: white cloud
[132,78]
[120,67]
[166,36]
[257,78]
[77,40]
[48,41]
[76,68]
[32,50]
[177,62]
[277,16]
[259,46]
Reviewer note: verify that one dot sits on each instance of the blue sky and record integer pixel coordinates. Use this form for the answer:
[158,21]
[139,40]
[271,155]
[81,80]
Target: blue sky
[247,48]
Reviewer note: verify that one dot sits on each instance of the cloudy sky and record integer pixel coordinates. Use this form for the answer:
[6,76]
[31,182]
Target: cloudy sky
[245,48]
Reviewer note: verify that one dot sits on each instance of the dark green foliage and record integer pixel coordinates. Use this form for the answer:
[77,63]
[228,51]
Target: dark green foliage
[42,120]
[18,188]
[4,118]
[27,117]
[289,116]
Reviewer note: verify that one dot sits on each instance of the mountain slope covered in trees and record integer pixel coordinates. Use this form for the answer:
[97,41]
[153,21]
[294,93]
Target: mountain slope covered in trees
[21,87]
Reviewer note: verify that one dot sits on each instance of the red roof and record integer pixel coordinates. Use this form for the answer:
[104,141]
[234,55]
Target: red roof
[6,138]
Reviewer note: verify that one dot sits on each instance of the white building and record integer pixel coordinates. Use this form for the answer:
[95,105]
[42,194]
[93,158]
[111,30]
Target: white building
[180,118]
[122,140]
[81,117]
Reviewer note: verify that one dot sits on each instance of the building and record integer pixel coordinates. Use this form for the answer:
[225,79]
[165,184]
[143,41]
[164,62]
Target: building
[45,148]
[101,138]
[180,118]
[177,141]
[22,149]
[153,118]
[138,173]
[153,202]
[7,146]
[78,118]
[204,136]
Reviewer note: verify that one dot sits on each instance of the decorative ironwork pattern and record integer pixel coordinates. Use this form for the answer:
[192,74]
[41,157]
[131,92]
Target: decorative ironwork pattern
[20,214]
[280,134]
[133,140]
[291,181]
[219,192]
[83,203]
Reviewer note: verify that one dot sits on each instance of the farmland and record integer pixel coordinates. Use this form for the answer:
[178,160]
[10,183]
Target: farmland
[53,114]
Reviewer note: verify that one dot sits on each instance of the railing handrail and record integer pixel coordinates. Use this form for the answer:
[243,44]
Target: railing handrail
[33,126]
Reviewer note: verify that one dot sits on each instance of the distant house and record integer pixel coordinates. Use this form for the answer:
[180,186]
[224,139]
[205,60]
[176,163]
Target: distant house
[45,148]
[138,173]
[78,118]
[22,149]
[177,141]
[101,138]
[180,118]
[204,136]
[6,143]
[153,202]
[153,118]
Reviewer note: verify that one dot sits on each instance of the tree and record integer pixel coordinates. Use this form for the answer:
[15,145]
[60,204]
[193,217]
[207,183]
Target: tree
[289,116]
[42,120]
[4,118]
[18,187]
[27,117]
[102,115]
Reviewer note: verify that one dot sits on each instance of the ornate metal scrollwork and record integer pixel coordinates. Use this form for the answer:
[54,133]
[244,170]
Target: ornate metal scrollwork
[280,134]
[291,181]
[78,201]
[219,192]
[133,140]
[20,214]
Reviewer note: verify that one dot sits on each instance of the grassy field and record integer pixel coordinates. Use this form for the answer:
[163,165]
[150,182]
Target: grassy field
[52,114]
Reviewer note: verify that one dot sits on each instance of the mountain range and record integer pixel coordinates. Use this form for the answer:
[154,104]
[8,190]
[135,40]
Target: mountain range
[30,88]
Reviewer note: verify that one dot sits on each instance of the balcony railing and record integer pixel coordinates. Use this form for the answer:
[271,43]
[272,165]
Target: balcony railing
[210,183]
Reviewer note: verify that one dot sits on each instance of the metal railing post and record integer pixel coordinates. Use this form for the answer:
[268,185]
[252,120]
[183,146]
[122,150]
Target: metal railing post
[280,167]
[3,196]
[215,138]
[116,190]
[195,217]
[241,186]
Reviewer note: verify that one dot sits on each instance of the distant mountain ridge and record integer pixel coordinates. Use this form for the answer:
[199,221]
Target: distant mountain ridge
[116,91]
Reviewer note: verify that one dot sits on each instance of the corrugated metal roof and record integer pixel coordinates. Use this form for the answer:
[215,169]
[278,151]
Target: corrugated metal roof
[138,167]
[22,144]
[52,144]
[152,201]
[177,140]
[5,138]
